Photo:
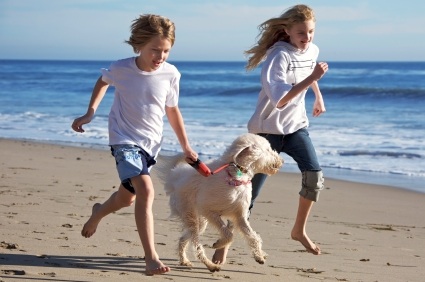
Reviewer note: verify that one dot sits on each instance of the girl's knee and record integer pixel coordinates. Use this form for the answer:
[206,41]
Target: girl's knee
[312,184]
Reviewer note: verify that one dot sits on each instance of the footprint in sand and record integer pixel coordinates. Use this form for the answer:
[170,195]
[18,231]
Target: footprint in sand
[13,272]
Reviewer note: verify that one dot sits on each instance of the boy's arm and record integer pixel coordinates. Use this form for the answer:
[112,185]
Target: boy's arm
[98,93]
[175,119]
[319,104]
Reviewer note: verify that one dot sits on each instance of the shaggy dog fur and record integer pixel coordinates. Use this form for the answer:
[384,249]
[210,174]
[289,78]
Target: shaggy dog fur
[197,200]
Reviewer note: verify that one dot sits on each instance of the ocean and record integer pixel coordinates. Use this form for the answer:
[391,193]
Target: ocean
[373,130]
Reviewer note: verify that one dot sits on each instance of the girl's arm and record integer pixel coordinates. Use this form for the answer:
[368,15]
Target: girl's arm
[98,93]
[318,72]
[175,119]
[319,104]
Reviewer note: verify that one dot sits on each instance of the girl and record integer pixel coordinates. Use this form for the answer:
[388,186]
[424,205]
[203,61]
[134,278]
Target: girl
[286,49]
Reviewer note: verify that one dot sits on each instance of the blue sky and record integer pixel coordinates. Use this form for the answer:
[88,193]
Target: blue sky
[208,30]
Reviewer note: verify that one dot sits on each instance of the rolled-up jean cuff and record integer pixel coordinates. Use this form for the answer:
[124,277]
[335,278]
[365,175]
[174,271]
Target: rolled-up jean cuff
[309,194]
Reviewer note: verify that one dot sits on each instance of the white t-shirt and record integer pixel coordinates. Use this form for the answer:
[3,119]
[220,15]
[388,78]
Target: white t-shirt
[137,113]
[284,67]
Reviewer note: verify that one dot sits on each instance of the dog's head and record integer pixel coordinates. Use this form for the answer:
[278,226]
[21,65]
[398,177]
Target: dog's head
[253,153]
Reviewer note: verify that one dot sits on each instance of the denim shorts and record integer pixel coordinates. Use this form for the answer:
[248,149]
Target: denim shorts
[131,161]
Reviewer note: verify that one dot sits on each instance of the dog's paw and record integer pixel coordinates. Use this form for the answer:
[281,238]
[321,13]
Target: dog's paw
[260,260]
[214,267]
[186,263]
[219,244]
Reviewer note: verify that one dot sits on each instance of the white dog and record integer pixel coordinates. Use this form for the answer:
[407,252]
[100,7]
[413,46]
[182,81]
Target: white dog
[197,200]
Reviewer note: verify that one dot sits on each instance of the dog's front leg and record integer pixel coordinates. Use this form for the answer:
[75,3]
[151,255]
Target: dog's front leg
[226,231]
[253,239]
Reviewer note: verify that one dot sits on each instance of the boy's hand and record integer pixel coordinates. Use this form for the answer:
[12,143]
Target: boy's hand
[77,125]
[190,155]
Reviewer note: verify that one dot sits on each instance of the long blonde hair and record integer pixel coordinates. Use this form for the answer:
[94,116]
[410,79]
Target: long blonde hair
[273,30]
[148,26]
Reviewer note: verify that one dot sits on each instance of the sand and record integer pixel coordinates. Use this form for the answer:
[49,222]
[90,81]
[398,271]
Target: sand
[366,232]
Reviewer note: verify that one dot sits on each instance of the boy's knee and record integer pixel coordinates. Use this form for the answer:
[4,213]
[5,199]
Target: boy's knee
[125,197]
[312,184]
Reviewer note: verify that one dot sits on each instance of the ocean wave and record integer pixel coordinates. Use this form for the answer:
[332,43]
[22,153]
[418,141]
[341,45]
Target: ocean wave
[380,154]
[330,90]
[378,92]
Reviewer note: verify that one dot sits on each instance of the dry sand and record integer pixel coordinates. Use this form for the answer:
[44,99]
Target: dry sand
[366,232]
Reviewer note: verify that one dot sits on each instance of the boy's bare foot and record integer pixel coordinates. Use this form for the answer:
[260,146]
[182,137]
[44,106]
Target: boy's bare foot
[306,242]
[156,267]
[220,255]
[90,227]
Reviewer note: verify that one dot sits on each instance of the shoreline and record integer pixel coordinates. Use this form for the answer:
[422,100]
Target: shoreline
[366,232]
[404,182]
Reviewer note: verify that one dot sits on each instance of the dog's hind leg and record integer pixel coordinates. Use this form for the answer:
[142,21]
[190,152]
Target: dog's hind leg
[190,222]
[183,243]
[253,239]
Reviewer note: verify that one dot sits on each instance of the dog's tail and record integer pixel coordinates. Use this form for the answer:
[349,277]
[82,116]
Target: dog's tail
[165,164]
[164,170]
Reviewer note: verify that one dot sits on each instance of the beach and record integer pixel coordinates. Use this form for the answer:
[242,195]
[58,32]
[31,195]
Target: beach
[366,232]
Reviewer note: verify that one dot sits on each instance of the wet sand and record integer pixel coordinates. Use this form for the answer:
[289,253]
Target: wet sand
[366,232]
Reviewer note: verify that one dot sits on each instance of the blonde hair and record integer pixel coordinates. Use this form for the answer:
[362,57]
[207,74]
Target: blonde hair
[273,30]
[148,26]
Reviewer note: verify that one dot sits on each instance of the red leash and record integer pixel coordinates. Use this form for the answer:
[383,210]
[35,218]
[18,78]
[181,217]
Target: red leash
[203,169]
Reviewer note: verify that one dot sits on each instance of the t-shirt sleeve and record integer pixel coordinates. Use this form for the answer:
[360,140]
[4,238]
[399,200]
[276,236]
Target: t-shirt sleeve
[275,81]
[106,76]
[173,96]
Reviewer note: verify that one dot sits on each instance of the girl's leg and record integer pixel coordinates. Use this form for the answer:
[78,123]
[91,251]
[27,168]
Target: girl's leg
[257,183]
[299,146]
[145,223]
[118,200]
[298,232]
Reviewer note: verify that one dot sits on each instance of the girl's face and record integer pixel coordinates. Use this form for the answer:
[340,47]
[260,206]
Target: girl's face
[301,34]
[153,54]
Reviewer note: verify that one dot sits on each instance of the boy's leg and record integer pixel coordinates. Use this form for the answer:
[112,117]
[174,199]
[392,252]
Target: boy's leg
[145,223]
[118,200]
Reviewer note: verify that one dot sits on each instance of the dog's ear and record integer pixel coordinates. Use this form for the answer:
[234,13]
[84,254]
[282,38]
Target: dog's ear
[247,155]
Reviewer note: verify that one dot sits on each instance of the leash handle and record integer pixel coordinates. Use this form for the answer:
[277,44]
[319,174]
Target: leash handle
[203,169]
[200,167]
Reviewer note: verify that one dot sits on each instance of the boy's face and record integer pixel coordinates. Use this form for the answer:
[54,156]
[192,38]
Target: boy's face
[154,53]
[301,34]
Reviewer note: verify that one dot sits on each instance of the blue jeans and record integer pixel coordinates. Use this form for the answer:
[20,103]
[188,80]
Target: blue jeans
[297,145]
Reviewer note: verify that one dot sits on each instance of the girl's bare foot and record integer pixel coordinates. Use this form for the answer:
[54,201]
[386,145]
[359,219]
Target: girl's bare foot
[90,227]
[156,267]
[306,242]
[220,255]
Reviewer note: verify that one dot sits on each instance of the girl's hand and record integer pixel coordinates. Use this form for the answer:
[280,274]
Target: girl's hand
[77,125]
[318,107]
[319,70]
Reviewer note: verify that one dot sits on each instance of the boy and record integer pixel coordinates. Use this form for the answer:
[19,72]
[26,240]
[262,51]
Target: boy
[146,88]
